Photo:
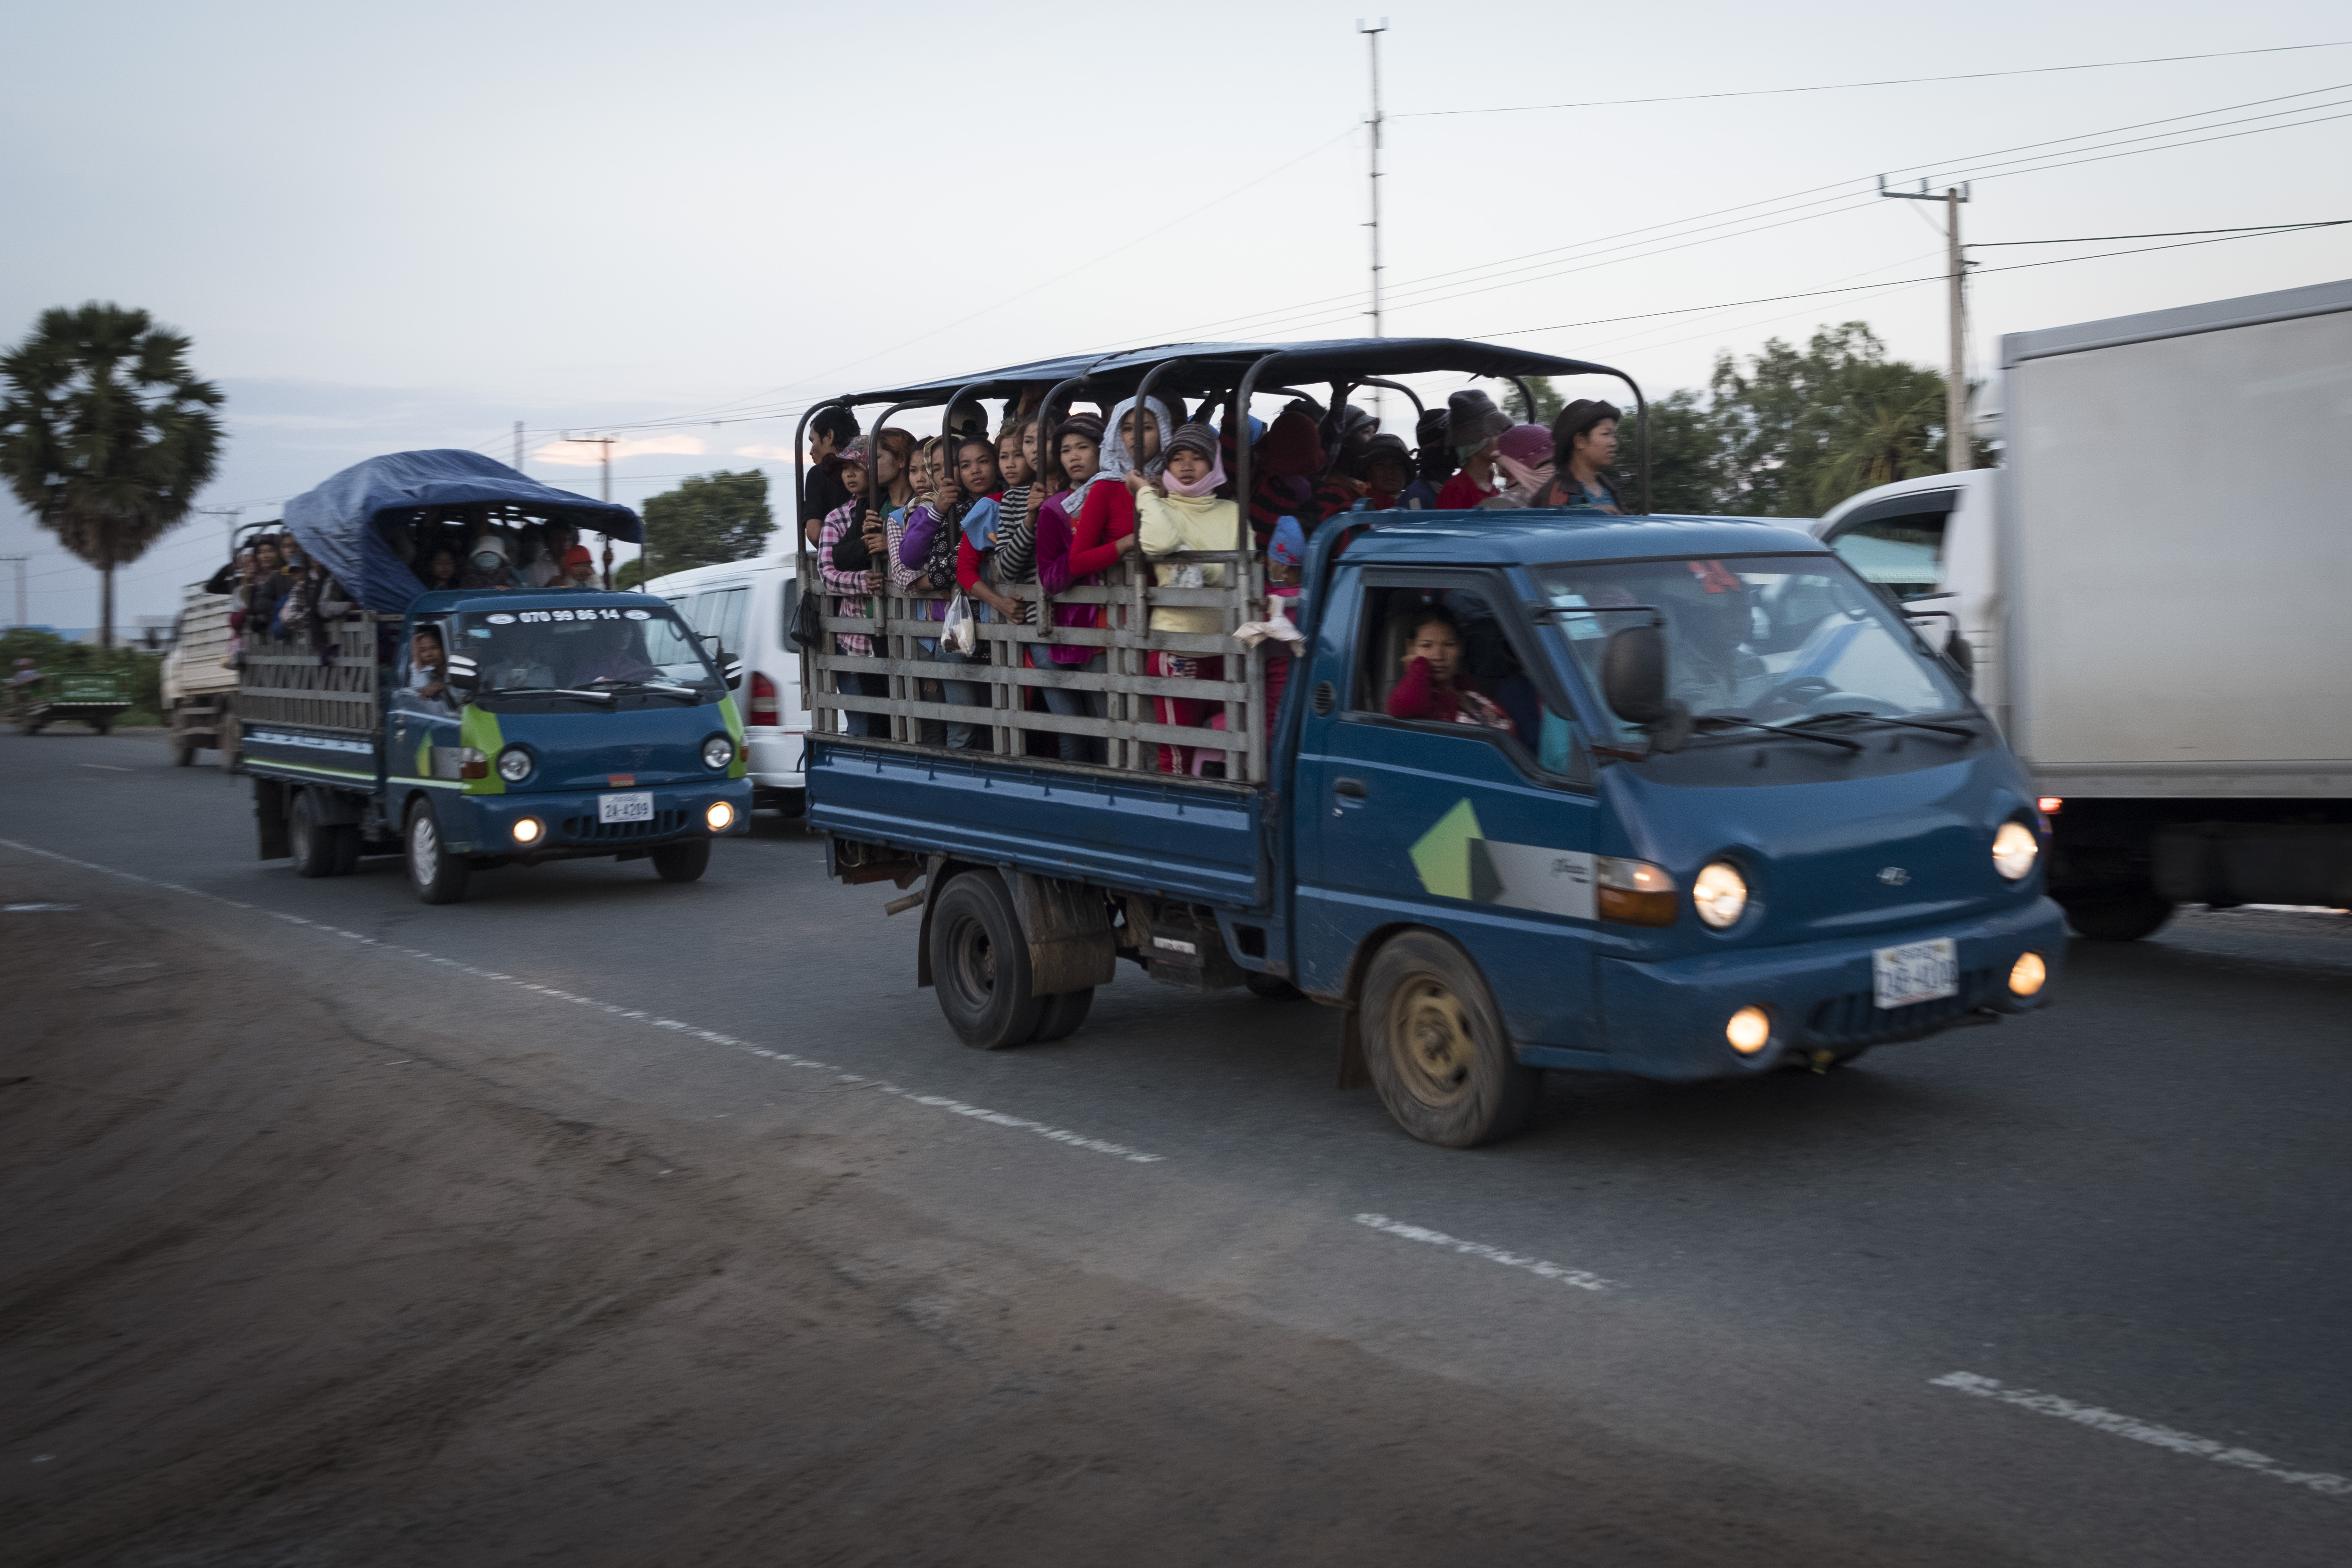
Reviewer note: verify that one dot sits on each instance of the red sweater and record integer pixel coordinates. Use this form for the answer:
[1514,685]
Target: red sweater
[1463,494]
[1107,516]
[1419,696]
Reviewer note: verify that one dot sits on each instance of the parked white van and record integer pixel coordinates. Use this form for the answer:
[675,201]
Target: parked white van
[749,606]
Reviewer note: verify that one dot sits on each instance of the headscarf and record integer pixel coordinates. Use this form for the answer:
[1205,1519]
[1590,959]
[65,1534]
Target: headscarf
[1524,454]
[1115,459]
[1197,438]
[1291,449]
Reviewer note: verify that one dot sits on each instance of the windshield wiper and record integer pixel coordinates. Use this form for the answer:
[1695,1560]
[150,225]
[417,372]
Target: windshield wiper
[1893,718]
[667,688]
[1746,723]
[547,691]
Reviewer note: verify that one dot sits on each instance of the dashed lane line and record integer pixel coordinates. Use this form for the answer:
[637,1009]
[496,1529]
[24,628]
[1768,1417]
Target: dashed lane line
[1536,1266]
[2141,1431]
[675,1026]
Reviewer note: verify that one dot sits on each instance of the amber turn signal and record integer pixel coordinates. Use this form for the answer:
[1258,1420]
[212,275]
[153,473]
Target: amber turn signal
[1633,893]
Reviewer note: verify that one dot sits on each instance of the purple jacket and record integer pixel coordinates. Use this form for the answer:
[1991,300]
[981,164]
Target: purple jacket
[1053,575]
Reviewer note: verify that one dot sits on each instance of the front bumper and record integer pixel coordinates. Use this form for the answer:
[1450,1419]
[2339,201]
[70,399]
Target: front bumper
[486,824]
[1666,1020]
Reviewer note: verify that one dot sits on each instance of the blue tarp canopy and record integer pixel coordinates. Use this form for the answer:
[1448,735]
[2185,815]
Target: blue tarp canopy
[348,523]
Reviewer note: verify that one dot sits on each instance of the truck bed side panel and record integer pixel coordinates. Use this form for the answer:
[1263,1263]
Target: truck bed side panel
[2179,561]
[1182,839]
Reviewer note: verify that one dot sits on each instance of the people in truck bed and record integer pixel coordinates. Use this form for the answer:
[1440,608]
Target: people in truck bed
[1523,461]
[1189,507]
[1473,426]
[1584,445]
[855,588]
[1076,544]
[1435,459]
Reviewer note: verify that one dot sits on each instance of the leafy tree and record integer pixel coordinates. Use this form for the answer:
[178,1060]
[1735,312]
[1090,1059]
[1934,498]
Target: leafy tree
[1800,432]
[1685,455]
[106,435]
[710,518]
[1549,402]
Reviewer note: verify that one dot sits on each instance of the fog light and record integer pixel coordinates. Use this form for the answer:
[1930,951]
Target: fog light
[2027,975]
[527,830]
[1749,1030]
[720,816]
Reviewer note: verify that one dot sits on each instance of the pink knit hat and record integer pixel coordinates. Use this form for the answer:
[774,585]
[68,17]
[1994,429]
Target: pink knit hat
[1529,444]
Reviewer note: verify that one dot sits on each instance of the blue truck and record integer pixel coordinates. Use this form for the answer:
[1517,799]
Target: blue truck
[470,727]
[1742,818]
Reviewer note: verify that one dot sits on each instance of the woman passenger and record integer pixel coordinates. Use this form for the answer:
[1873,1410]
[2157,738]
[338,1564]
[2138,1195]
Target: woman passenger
[854,586]
[1064,561]
[1584,445]
[1189,508]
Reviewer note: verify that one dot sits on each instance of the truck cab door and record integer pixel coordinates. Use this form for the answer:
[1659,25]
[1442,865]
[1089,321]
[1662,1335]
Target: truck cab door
[1483,834]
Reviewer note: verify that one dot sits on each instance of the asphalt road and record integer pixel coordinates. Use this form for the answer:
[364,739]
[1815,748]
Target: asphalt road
[2074,1290]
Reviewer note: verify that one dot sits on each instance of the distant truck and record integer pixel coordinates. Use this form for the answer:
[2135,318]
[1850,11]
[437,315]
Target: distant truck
[96,700]
[199,681]
[468,728]
[2150,593]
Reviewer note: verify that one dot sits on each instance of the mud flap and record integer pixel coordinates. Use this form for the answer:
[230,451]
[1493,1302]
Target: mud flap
[1353,1074]
[270,805]
[1071,947]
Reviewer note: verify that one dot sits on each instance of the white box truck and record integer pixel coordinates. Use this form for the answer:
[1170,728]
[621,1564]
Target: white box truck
[2154,595]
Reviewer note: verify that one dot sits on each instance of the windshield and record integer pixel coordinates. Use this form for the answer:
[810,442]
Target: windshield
[1773,639]
[596,651]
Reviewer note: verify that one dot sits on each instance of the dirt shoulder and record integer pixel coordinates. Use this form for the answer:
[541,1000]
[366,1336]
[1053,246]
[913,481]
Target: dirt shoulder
[286,1275]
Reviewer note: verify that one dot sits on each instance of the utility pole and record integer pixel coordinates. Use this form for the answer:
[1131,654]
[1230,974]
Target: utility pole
[231,514]
[18,562]
[1373,42]
[1959,455]
[605,442]
[518,462]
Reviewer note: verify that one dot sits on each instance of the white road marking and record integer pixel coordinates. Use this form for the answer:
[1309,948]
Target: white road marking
[1536,1266]
[675,1026]
[2141,1431]
[110,767]
[35,908]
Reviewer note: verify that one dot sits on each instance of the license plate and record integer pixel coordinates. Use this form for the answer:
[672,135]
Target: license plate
[1916,972]
[640,807]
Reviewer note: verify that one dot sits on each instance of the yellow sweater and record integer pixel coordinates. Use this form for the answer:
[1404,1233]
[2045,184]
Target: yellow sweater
[1168,523]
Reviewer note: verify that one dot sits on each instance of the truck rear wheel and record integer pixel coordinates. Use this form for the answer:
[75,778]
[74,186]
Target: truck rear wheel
[1063,1013]
[312,841]
[2127,917]
[979,964]
[682,862]
[438,876]
[1436,1049]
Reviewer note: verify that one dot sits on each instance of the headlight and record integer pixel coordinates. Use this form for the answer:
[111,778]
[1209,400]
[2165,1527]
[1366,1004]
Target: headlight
[1718,894]
[527,830]
[1633,893]
[718,752]
[2014,850]
[514,764]
[720,816]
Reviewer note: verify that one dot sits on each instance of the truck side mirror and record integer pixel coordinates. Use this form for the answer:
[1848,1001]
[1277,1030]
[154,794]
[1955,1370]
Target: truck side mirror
[462,673]
[734,674]
[1633,674]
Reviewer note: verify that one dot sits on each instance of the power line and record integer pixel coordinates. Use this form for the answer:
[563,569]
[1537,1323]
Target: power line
[2162,234]
[1848,85]
[1938,278]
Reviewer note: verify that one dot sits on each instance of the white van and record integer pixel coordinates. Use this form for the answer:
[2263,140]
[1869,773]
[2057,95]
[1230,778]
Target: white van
[749,606]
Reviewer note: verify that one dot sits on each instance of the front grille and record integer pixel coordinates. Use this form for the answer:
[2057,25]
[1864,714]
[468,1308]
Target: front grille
[589,831]
[1856,1019]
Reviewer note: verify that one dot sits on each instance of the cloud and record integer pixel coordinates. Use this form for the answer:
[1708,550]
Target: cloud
[769,452]
[588,454]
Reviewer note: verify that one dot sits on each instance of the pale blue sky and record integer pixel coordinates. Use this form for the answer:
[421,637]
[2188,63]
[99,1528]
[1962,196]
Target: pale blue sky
[399,227]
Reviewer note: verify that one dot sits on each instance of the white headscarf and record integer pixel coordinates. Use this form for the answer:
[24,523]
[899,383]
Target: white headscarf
[1115,459]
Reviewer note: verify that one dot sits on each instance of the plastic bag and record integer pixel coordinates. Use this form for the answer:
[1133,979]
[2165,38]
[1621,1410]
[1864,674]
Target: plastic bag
[960,632]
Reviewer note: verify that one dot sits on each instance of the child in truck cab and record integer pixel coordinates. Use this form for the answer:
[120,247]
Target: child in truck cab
[1433,666]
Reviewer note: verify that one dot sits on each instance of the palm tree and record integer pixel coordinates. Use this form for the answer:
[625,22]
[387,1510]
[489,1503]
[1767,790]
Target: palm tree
[1884,440]
[106,435]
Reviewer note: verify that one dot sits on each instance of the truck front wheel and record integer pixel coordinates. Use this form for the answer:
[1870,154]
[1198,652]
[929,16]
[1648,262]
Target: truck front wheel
[979,964]
[438,876]
[2125,918]
[1436,1049]
[682,862]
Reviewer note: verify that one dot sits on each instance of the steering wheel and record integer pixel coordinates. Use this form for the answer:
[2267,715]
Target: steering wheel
[1801,691]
